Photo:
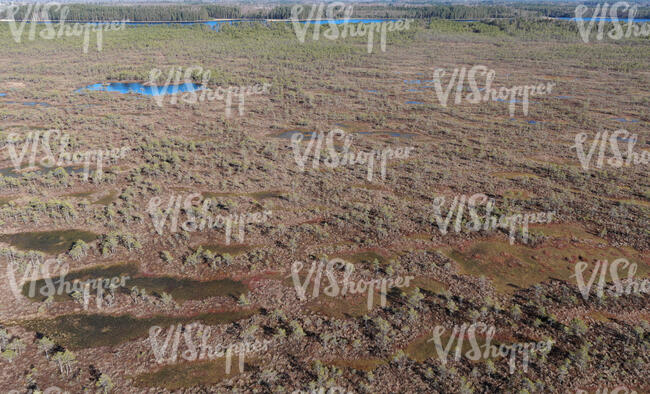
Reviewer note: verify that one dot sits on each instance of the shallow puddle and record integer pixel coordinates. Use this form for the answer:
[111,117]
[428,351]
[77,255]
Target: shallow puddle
[139,88]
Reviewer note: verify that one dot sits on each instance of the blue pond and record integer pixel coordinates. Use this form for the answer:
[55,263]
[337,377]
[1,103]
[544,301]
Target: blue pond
[626,120]
[414,102]
[415,81]
[3,94]
[372,91]
[137,87]
[414,90]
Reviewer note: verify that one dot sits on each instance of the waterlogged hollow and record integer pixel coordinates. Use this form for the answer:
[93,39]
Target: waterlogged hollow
[140,88]
[423,347]
[50,242]
[105,272]
[188,289]
[11,172]
[29,103]
[82,331]
[511,267]
[366,258]
[179,289]
[182,375]
[107,199]
[290,133]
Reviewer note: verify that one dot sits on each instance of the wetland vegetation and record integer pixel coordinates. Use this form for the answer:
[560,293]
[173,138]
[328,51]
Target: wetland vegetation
[101,227]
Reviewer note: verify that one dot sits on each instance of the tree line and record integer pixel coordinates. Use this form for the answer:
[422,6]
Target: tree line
[180,13]
[136,13]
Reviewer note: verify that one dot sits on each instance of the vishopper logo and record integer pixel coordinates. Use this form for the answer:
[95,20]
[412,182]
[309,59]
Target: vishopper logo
[489,222]
[189,88]
[459,333]
[347,286]
[503,94]
[38,16]
[632,285]
[344,158]
[64,158]
[599,16]
[200,351]
[199,217]
[80,290]
[600,143]
[352,29]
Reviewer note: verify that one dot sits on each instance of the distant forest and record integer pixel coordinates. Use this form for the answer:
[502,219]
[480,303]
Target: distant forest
[423,12]
[178,13]
[135,13]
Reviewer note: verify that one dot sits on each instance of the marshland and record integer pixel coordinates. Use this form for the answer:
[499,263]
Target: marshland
[247,162]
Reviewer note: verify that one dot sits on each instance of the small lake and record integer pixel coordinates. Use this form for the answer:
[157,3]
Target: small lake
[139,88]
